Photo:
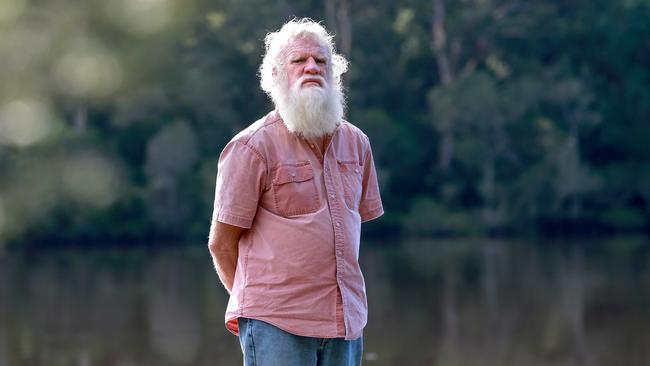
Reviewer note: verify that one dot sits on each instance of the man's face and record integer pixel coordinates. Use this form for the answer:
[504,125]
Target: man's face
[308,99]
[306,64]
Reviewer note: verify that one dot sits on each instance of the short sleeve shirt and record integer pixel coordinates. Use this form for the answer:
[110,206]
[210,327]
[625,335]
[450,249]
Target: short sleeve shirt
[304,211]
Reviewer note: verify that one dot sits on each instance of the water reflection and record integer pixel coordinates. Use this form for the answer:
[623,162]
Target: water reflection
[432,302]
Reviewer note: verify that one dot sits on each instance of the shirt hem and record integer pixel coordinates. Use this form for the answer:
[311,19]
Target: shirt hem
[300,333]
[228,218]
[372,214]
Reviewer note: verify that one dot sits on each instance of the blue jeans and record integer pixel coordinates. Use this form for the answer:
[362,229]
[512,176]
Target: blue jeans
[266,345]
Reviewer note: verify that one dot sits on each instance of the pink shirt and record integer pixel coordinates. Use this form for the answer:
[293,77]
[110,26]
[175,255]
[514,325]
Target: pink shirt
[298,264]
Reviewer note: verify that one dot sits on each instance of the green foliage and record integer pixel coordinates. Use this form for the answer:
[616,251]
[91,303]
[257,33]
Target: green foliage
[427,218]
[111,121]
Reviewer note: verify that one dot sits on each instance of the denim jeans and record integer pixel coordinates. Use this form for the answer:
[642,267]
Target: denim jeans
[266,345]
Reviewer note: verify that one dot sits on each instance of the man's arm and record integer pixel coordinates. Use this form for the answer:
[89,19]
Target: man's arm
[224,248]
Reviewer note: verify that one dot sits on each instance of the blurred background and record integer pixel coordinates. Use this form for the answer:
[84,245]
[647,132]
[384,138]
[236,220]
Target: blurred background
[511,142]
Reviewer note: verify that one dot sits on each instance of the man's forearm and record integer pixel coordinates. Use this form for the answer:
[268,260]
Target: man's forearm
[224,248]
[225,263]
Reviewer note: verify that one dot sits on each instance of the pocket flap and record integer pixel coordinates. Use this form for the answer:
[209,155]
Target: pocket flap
[288,174]
[350,166]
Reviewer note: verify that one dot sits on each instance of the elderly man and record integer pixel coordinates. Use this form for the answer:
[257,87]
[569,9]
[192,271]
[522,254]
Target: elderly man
[292,191]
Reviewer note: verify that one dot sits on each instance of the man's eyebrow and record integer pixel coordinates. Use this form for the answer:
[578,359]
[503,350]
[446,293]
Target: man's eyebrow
[303,55]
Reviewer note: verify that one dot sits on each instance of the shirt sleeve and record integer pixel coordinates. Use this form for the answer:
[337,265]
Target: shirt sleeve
[370,207]
[241,176]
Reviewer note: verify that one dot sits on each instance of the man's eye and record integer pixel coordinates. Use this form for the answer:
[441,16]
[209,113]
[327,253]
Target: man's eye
[297,60]
[321,61]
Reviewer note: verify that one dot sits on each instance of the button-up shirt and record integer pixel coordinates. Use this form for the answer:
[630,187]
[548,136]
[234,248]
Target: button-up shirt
[298,263]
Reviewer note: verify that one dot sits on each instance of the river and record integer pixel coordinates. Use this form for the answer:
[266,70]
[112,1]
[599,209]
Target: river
[432,302]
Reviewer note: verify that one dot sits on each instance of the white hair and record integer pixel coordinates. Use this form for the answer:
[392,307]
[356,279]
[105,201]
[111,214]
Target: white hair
[272,68]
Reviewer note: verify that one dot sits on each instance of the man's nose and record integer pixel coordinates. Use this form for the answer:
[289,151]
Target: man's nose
[312,67]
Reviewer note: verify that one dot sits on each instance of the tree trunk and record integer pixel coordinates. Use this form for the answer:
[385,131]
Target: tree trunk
[330,15]
[491,207]
[439,35]
[446,152]
[440,42]
[337,18]
[344,32]
[80,119]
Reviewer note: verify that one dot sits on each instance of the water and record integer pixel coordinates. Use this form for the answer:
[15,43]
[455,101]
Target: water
[432,302]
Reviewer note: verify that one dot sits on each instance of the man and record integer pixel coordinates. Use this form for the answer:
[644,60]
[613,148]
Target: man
[292,191]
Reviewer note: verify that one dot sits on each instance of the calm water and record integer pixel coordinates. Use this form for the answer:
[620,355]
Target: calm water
[432,302]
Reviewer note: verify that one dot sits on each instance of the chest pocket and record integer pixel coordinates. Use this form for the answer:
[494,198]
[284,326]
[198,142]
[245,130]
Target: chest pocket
[294,189]
[351,180]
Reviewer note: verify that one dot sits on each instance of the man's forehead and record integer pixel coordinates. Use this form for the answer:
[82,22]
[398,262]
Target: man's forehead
[300,45]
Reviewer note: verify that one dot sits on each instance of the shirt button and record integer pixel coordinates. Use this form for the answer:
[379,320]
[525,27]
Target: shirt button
[338,224]
[356,170]
[293,175]
[332,196]
[312,146]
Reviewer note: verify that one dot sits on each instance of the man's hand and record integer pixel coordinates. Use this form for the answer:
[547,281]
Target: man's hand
[224,248]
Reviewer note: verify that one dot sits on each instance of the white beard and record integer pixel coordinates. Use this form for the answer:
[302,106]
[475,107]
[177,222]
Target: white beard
[311,111]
